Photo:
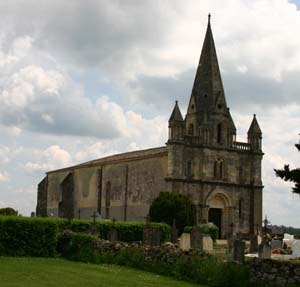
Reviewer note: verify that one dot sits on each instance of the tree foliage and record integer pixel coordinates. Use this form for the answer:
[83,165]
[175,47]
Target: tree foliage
[8,211]
[292,175]
[169,206]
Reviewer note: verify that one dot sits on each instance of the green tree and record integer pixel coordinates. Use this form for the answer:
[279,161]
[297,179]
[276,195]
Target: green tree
[169,206]
[292,175]
[8,211]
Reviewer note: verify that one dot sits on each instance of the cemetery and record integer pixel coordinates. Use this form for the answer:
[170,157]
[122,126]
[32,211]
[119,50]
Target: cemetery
[192,256]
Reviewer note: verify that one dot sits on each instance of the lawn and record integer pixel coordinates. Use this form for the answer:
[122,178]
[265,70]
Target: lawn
[39,272]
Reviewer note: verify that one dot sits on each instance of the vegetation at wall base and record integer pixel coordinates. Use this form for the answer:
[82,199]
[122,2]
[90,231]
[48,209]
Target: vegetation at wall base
[169,206]
[47,237]
[164,260]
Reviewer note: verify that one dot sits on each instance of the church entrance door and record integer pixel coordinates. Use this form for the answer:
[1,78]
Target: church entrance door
[215,217]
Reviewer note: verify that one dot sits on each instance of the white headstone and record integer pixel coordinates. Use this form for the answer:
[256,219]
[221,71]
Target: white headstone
[207,243]
[288,239]
[185,242]
[296,247]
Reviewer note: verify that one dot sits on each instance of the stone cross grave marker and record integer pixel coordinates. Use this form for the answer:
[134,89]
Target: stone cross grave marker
[196,238]
[238,250]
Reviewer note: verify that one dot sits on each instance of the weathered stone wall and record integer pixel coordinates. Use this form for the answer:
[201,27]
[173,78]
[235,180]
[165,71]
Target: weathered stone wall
[215,173]
[134,185]
[54,191]
[122,190]
[41,208]
[275,273]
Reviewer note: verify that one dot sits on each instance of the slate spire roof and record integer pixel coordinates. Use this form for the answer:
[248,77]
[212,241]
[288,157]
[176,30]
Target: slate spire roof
[176,114]
[208,87]
[254,127]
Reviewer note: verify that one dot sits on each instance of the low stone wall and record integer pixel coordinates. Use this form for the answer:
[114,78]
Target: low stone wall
[275,272]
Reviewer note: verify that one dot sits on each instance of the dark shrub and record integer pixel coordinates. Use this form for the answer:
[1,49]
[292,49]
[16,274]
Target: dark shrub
[168,206]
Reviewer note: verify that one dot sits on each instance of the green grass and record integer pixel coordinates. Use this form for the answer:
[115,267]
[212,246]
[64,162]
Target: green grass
[40,272]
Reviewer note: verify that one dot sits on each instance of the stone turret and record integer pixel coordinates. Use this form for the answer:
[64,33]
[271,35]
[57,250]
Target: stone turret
[255,135]
[176,124]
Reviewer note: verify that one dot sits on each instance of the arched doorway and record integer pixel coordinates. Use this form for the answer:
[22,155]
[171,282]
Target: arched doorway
[218,212]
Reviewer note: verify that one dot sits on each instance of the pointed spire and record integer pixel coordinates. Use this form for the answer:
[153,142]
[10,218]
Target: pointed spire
[208,92]
[176,114]
[254,127]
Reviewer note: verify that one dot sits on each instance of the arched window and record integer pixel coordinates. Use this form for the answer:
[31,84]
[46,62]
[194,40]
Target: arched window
[191,129]
[219,133]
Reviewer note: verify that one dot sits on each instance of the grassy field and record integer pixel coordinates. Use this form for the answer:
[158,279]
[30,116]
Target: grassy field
[40,272]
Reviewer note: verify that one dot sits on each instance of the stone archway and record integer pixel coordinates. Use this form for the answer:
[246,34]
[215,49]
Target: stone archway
[219,212]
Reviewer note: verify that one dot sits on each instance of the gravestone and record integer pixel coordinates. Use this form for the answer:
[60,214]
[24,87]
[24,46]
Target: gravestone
[275,244]
[185,242]
[230,244]
[151,236]
[238,250]
[207,243]
[253,243]
[174,232]
[112,235]
[264,250]
[196,238]
[296,247]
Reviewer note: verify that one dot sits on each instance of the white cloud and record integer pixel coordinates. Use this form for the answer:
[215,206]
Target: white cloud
[4,176]
[51,158]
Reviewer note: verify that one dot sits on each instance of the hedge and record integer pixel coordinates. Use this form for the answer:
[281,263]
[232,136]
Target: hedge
[165,260]
[208,228]
[21,236]
[128,231]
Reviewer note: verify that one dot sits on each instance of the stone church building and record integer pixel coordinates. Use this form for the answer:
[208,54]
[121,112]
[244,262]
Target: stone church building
[201,159]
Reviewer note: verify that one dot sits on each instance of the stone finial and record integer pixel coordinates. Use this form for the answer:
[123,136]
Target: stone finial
[209,16]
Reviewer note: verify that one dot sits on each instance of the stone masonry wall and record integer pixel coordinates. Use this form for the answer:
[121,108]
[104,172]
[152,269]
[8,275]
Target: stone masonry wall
[275,272]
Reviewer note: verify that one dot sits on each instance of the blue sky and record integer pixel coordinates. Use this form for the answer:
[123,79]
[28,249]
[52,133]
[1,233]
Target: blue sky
[92,78]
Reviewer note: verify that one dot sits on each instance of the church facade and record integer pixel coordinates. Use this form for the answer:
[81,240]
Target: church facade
[201,159]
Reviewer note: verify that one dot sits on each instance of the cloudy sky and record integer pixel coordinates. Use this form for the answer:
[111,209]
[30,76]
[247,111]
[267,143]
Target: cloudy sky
[83,79]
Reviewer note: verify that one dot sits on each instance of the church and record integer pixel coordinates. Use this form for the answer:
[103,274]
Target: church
[201,160]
